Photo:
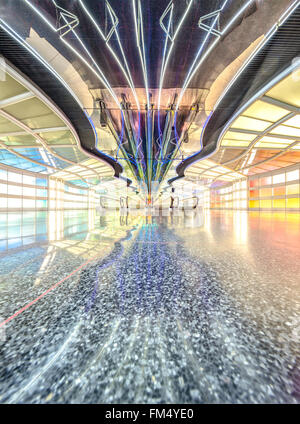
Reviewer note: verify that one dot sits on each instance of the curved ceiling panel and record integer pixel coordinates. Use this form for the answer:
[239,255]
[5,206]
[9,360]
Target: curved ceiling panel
[34,130]
[278,52]
[261,137]
[23,57]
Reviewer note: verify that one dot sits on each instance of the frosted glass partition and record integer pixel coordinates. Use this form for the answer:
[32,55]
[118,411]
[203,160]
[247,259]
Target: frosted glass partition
[277,190]
[22,190]
[231,196]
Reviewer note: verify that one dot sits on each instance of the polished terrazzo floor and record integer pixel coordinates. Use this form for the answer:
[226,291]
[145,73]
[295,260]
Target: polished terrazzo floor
[192,307]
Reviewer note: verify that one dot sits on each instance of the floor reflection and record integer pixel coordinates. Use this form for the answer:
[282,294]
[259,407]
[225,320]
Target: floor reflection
[184,306]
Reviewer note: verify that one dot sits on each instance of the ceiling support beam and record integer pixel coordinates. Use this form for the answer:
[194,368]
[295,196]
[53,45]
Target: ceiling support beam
[35,131]
[45,165]
[16,99]
[28,130]
[278,103]
[37,146]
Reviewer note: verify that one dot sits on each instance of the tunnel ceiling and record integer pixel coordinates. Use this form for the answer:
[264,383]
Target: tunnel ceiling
[140,71]
[35,135]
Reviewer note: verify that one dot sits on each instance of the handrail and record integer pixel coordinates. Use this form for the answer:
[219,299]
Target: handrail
[189,198]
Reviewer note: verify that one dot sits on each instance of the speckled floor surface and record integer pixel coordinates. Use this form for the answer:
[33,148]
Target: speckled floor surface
[197,308]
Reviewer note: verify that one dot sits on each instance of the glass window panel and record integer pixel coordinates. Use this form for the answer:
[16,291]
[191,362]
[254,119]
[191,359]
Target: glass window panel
[238,136]
[41,192]
[265,181]
[254,183]
[14,218]
[279,203]
[41,215]
[3,202]
[14,177]
[28,203]
[263,110]
[286,91]
[41,237]
[28,191]
[280,178]
[292,175]
[52,204]
[245,123]
[279,191]
[292,189]
[41,182]
[41,227]
[28,217]
[3,219]
[253,193]
[41,203]
[276,140]
[285,130]
[293,122]
[234,143]
[28,179]
[14,203]
[28,229]
[3,174]
[3,188]
[272,145]
[266,204]
[265,192]
[254,204]
[293,203]
[16,190]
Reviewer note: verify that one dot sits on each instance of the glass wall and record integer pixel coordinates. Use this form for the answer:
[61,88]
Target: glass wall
[22,190]
[206,199]
[29,203]
[66,196]
[22,228]
[277,190]
[232,196]
[75,197]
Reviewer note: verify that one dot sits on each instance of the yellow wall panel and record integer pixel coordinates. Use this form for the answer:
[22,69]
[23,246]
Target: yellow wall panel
[293,203]
[266,204]
[253,204]
[279,203]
